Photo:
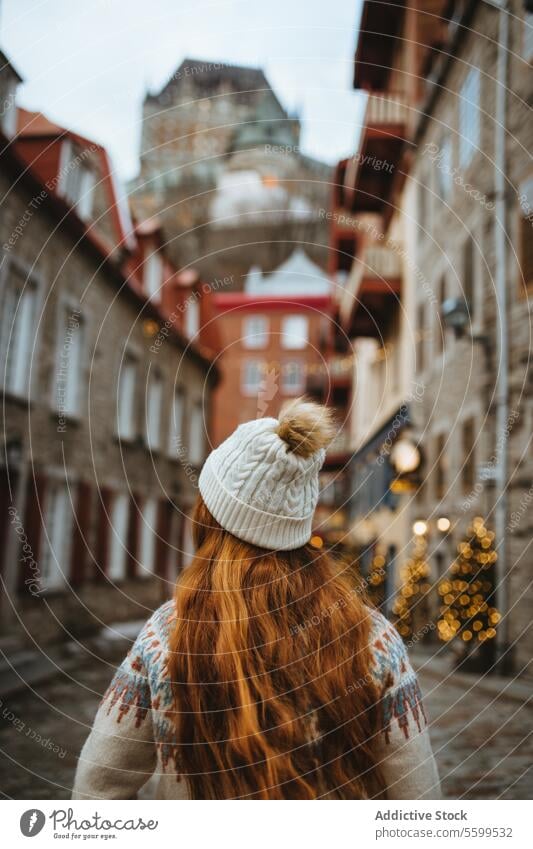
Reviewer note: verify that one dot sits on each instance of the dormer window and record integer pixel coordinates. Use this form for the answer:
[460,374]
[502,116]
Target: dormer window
[153,276]
[76,179]
[192,317]
[8,112]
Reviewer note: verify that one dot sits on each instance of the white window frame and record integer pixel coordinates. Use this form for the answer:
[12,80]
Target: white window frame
[175,432]
[255,332]
[196,434]
[8,119]
[288,386]
[19,306]
[252,387]
[76,184]
[445,167]
[87,183]
[118,543]
[469,117]
[154,407]
[70,360]
[126,415]
[192,317]
[290,340]
[148,537]
[153,276]
[56,543]
[527,44]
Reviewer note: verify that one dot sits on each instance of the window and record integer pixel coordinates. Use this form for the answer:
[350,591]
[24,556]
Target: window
[17,338]
[255,331]
[69,363]
[153,276]
[57,536]
[440,466]
[292,378]
[444,168]
[421,339]
[196,434]
[8,115]
[469,117]
[468,467]
[192,317]
[527,50]
[423,203]
[154,399]
[76,180]
[526,231]
[294,332]
[252,376]
[176,425]
[84,206]
[440,328]
[148,540]
[118,544]
[468,274]
[126,399]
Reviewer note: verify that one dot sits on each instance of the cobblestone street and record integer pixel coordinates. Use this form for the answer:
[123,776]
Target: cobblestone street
[483,742]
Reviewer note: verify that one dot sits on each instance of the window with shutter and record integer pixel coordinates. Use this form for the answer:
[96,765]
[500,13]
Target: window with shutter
[126,399]
[118,547]
[19,307]
[469,117]
[153,412]
[148,537]
[57,537]
[70,363]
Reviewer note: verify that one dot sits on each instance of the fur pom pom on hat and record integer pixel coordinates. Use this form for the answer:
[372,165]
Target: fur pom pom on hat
[261,484]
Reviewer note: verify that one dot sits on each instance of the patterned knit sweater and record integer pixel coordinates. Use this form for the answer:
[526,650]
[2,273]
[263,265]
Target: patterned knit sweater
[133,738]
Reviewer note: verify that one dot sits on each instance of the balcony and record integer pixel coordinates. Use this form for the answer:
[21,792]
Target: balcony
[385,110]
[370,173]
[371,292]
[341,369]
[340,447]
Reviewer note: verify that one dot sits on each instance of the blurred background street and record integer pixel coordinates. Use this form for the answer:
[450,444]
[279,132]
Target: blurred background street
[481,732]
[204,217]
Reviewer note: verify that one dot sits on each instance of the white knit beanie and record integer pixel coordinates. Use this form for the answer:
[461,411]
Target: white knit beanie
[261,484]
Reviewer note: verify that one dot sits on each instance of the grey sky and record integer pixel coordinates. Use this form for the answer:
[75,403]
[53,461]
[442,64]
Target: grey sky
[88,64]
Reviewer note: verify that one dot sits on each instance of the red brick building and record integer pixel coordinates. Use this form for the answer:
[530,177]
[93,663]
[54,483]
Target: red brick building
[274,341]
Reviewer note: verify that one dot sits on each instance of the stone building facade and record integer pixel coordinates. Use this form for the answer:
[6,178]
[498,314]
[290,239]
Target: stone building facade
[105,414]
[441,60]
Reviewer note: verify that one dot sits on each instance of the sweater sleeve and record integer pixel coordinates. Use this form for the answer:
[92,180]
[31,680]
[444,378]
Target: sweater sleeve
[403,746]
[119,755]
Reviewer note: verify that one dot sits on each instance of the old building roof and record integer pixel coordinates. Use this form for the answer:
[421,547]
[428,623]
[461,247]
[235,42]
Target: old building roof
[35,126]
[298,275]
[208,74]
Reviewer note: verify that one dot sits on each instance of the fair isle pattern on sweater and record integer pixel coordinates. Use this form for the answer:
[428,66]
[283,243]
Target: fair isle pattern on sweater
[141,683]
[401,699]
[134,734]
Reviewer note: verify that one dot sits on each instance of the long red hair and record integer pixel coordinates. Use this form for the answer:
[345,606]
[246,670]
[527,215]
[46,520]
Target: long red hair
[269,660]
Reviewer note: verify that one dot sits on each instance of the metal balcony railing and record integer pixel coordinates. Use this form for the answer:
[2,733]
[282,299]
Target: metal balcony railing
[381,261]
[385,109]
[342,444]
[340,367]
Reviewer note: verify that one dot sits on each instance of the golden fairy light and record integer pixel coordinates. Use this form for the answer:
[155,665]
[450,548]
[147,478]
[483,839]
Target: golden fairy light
[468,588]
